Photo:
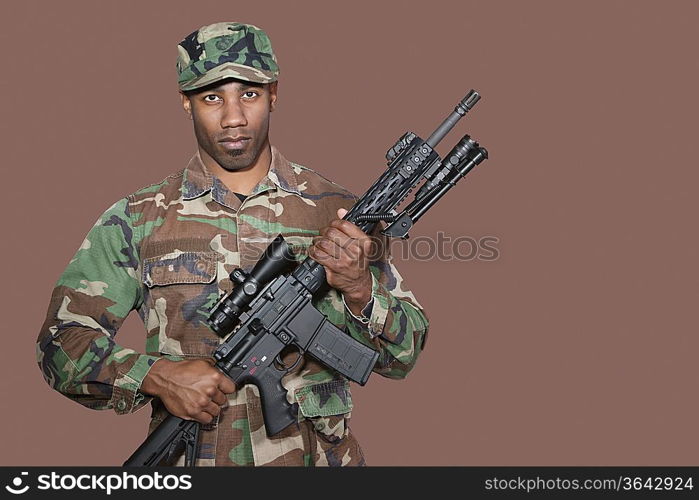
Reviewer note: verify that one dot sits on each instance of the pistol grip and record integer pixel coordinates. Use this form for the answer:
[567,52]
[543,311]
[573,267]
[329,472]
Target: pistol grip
[277,412]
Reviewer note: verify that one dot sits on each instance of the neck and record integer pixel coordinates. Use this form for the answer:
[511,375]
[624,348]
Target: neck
[241,181]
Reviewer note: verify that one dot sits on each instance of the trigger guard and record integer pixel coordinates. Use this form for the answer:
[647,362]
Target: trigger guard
[280,365]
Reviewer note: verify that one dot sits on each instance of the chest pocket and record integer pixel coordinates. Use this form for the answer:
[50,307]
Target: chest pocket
[180,287]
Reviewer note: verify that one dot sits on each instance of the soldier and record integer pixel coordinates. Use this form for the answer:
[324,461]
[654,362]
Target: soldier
[167,251]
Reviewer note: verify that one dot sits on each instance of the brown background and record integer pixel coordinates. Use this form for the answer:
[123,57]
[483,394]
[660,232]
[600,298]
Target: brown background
[576,347]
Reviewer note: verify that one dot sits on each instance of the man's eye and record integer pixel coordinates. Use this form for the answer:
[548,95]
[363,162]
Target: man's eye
[250,94]
[211,98]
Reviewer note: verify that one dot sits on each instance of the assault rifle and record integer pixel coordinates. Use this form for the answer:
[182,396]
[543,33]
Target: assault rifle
[271,305]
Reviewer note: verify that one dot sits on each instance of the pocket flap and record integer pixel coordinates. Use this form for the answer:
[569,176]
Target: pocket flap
[184,267]
[324,399]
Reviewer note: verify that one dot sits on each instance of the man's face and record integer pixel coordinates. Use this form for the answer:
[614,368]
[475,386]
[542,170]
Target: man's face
[231,121]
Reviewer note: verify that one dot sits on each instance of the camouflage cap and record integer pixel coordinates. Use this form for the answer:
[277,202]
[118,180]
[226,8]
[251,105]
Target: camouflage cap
[225,50]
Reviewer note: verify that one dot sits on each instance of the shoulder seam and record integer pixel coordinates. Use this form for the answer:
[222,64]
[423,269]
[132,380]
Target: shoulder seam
[325,179]
[132,196]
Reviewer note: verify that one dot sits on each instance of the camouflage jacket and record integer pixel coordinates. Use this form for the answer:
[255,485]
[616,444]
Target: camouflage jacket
[167,251]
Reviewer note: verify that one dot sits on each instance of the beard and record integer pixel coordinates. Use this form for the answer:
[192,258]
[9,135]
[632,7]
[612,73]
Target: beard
[232,160]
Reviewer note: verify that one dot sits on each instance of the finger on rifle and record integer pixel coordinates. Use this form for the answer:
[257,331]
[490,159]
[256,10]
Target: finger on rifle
[356,238]
[333,248]
[331,263]
[219,398]
[226,385]
[348,228]
[202,417]
[320,243]
[212,409]
[350,244]
[317,253]
[331,260]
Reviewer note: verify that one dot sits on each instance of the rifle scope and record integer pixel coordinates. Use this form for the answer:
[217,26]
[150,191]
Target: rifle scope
[277,258]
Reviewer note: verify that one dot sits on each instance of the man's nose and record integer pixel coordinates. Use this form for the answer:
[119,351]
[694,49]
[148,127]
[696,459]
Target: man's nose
[233,115]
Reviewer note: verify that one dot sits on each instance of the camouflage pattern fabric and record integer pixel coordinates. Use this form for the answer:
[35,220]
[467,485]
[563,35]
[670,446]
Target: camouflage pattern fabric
[166,251]
[225,50]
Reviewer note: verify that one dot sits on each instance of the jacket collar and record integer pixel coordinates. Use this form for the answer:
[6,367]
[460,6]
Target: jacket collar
[197,180]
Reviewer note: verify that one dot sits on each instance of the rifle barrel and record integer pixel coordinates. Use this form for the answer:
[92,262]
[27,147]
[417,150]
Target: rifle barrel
[463,107]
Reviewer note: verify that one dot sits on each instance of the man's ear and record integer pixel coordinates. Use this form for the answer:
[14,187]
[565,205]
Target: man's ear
[187,105]
[272,96]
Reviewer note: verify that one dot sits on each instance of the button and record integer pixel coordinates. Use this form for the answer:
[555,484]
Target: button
[319,426]
[201,266]
[121,404]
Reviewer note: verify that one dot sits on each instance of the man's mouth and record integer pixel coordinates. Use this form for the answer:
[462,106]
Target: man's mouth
[238,142]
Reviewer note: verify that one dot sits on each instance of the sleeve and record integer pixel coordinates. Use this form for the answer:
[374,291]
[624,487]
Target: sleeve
[396,327]
[76,351]
[393,322]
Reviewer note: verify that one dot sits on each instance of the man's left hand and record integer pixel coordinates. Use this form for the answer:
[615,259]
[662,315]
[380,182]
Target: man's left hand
[343,249]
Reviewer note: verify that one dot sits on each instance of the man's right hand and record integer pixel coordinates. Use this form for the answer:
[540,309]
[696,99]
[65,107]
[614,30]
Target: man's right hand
[193,390]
